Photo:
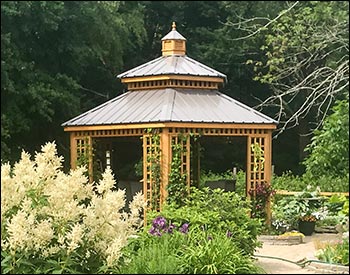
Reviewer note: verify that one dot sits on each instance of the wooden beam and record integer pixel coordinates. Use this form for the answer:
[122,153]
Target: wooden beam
[174,77]
[327,194]
[114,126]
[172,125]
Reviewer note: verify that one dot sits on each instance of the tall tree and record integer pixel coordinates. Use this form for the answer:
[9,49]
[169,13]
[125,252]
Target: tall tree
[306,64]
[59,58]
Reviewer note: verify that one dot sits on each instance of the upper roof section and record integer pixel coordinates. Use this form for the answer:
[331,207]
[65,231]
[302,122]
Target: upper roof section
[173,34]
[170,105]
[173,69]
[172,65]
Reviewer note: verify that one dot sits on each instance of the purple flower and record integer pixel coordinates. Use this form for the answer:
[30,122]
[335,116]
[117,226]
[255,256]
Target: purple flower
[184,228]
[229,234]
[159,222]
[170,228]
[155,231]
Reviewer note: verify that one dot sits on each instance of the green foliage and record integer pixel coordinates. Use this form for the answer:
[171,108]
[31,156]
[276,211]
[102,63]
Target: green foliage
[215,254]
[211,176]
[216,211]
[59,58]
[194,251]
[262,194]
[329,149]
[326,183]
[177,186]
[287,212]
[337,253]
[147,254]
[335,203]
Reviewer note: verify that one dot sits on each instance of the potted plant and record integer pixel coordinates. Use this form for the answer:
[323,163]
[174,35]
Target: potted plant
[299,211]
[306,224]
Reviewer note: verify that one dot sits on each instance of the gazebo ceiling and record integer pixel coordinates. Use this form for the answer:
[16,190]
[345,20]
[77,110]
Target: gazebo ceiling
[171,105]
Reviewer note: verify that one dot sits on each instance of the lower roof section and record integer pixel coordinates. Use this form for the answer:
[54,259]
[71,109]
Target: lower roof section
[170,105]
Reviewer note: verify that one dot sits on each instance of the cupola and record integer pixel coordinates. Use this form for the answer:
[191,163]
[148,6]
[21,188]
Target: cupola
[173,43]
[174,69]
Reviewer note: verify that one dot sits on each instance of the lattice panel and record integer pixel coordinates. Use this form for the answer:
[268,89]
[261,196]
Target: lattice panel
[185,155]
[151,172]
[256,163]
[84,153]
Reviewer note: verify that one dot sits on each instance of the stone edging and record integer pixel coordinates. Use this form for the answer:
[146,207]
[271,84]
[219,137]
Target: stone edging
[281,240]
[327,268]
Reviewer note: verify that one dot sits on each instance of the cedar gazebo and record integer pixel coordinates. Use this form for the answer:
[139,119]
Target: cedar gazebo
[170,101]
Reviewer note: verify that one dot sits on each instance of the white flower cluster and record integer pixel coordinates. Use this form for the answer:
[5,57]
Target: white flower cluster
[45,211]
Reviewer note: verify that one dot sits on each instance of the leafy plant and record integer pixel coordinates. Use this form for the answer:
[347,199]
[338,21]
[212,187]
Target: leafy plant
[260,196]
[170,249]
[177,187]
[336,253]
[215,211]
[305,205]
[329,149]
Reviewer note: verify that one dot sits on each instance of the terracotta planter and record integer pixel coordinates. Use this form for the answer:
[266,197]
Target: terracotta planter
[306,227]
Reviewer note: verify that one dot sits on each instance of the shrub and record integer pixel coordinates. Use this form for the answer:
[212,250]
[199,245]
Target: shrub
[169,249]
[216,211]
[52,222]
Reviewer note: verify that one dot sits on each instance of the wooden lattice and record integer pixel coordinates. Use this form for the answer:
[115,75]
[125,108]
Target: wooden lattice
[185,144]
[151,172]
[256,163]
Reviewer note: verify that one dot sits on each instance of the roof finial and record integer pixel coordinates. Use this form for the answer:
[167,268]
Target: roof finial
[174,26]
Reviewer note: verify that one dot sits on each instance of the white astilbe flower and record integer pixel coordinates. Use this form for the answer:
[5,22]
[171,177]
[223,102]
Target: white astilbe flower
[20,231]
[24,171]
[113,251]
[42,233]
[12,192]
[75,237]
[48,213]
[47,161]
[136,206]
[107,181]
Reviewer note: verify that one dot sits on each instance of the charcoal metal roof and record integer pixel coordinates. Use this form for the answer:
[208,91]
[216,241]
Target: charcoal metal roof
[170,105]
[172,65]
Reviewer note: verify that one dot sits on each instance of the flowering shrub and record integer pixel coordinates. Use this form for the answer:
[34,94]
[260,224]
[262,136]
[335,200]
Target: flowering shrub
[187,250]
[52,222]
[260,197]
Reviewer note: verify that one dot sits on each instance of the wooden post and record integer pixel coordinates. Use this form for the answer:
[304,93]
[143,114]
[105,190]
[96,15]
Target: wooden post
[268,172]
[73,151]
[165,163]
[91,160]
[248,169]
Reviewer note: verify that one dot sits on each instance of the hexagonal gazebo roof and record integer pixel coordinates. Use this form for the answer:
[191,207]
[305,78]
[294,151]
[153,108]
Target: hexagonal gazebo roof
[175,94]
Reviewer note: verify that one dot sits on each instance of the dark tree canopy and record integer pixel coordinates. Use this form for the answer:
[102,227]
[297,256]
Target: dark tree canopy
[61,58]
